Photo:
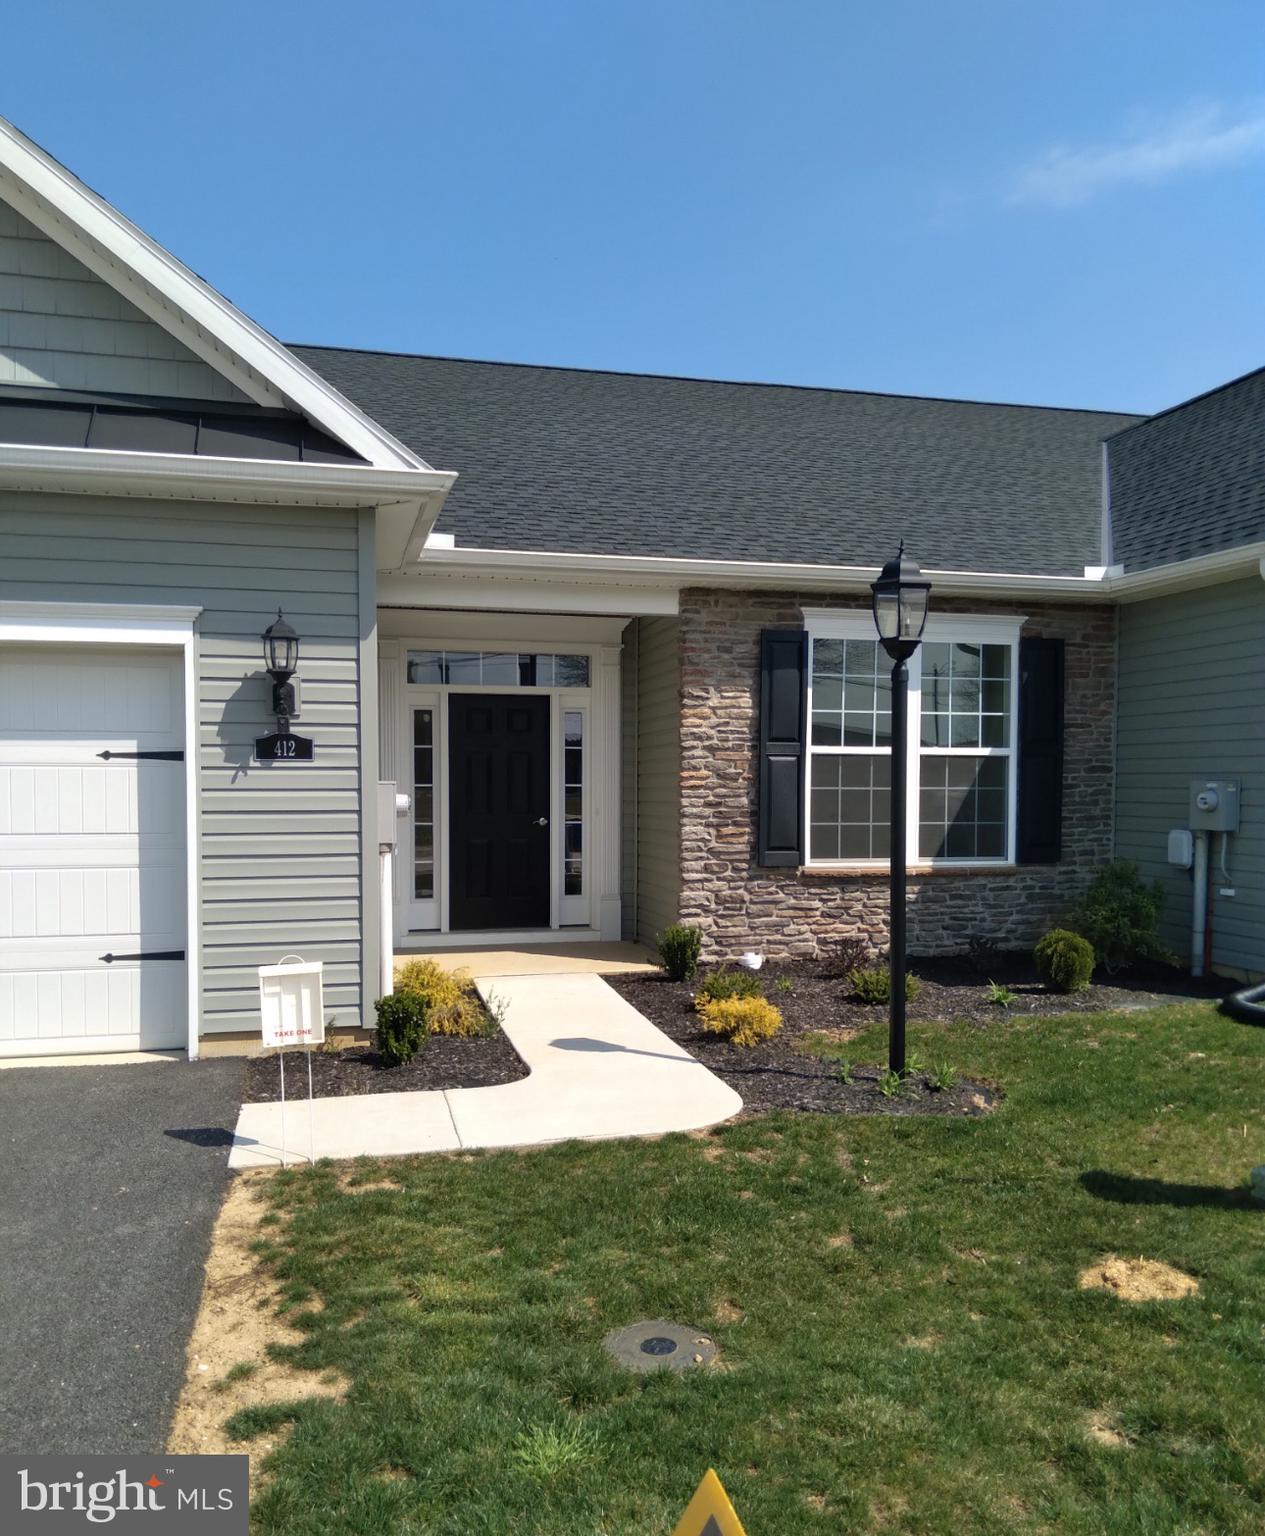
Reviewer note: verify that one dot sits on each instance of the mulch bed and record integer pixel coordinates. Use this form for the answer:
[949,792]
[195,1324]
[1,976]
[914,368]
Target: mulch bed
[445,1061]
[780,1074]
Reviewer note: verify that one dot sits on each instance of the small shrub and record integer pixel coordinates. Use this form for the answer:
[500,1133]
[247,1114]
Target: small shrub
[845,1073]
[451,1006]
[943,1077]
[890,1083]
[725,982]
[741,1020]
[401,1026]
[852,954]
[982,953]
[1119,914]
[1000,995]
[1065,961]
[679,948]
[784,984]
[873,984]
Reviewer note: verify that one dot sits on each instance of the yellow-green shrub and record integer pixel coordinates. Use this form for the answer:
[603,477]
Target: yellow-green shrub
[741,1020]
[451,1006]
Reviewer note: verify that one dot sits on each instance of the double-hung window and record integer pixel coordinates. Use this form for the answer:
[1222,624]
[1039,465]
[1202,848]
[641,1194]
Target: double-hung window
[960,768]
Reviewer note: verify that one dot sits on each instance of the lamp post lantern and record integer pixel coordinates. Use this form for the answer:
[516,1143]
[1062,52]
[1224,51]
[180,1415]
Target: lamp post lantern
[901,594]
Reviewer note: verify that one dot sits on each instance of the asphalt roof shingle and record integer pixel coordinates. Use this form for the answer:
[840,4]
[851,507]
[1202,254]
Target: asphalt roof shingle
[1191,481]
[566,460]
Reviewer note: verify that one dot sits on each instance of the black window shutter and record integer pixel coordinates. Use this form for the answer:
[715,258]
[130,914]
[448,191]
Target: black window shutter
[1040,809]
[783,697]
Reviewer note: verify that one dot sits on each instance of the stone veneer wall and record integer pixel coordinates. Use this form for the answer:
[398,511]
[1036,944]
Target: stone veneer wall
[740,905]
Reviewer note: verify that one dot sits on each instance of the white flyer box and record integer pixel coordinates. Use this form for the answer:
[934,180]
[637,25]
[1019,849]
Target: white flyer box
[292,1002]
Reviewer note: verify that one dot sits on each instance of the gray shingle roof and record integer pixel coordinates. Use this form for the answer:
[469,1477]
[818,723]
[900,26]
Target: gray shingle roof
[632,464]
[1191,480]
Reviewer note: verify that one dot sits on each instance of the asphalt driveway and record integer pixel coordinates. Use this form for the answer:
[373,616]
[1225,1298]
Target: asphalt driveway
[110,1180]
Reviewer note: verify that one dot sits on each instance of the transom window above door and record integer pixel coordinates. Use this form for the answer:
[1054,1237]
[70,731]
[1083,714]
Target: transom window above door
[498,669]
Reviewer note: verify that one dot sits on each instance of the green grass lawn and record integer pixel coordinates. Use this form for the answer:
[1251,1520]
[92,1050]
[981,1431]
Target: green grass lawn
[904,1346]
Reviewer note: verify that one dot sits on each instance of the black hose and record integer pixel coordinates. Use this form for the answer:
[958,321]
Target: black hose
[1248,1006]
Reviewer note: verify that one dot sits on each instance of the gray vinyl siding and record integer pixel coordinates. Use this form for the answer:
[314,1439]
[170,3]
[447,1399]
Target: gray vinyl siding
[281,855]
[61,326]
[1192,702]
[652,801]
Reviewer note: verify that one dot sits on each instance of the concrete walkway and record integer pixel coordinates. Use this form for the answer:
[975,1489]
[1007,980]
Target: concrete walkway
[598,1068]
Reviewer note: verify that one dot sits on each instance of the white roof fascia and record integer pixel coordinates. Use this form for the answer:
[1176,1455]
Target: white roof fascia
[1099,584]
[166,475]
[739,573]
[123,256]
[406,501]
[1184,575]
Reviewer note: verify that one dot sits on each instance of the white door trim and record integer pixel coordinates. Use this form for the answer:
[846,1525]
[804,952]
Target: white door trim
[600,703]
[23,623]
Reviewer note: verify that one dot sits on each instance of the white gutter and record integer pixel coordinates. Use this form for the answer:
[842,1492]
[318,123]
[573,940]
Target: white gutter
[653,570]
[1099,584]
[407,500]
[1181,575]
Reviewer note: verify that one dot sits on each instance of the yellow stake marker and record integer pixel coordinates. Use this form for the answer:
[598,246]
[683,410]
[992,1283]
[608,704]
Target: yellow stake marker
[710,1513]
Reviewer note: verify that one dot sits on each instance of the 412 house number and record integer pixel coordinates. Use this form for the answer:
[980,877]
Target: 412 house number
[284,747]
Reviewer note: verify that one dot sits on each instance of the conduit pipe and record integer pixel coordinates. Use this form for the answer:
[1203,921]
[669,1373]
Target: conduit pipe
[1199,907]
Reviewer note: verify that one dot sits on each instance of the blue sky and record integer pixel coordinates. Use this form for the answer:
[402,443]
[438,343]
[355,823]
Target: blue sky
[1056,201]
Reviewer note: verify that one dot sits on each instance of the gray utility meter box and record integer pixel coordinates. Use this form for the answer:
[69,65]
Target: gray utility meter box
[1214,805]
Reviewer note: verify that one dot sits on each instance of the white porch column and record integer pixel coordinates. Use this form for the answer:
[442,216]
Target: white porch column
[389,710]
[605,871]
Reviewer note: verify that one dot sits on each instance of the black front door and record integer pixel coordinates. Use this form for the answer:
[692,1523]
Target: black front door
[498,759]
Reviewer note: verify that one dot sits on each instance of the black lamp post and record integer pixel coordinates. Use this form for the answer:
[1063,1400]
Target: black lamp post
[281,657]
[901,594]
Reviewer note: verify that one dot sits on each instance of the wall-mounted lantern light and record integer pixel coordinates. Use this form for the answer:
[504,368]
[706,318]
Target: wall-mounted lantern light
[281,658]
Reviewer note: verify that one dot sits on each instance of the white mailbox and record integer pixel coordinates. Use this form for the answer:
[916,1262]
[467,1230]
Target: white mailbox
[292,1002]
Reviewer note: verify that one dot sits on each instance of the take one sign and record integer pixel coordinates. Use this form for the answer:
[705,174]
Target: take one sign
[292,1002]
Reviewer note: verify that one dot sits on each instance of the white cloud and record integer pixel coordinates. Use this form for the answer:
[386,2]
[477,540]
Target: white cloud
[1200,138]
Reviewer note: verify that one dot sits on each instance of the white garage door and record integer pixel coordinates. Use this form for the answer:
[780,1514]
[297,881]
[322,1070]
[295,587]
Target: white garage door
[92,850]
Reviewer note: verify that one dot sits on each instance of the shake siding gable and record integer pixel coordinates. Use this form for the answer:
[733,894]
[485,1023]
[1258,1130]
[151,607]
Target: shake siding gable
[62,327]
[280,843]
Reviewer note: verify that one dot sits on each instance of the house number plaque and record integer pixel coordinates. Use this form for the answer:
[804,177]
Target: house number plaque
[284,747]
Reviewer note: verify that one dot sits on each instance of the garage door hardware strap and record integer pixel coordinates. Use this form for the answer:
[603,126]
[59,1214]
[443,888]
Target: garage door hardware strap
[166,757]
[149,954]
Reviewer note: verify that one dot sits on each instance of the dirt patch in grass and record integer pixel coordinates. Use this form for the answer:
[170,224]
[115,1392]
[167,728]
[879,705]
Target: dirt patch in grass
[228,1366]
[1102,1429]
[1138,1279]
[445,1061]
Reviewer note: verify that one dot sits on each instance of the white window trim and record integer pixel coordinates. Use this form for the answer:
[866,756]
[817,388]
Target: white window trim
[964,628]
[53,623]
